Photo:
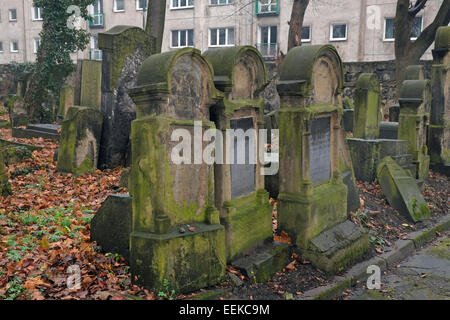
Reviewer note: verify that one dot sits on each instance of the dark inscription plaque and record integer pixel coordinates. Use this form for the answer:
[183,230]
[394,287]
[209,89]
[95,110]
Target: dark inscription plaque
[319,151]
[242,175]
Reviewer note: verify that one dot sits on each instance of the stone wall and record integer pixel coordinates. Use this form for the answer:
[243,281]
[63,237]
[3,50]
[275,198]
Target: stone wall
[385,70]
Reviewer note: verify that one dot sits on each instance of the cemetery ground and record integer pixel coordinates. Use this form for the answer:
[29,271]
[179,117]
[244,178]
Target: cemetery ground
[45,228]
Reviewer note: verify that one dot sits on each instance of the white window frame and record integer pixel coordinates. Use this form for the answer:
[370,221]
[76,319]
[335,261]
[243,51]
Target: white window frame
[33,13]
[10,15]
[36,44]
[269,33]
[11,46]
[137,6]
[310,34]
[421,27]
[115,6]
[179,38]
[384,30]
[227,2]
[331,31]
[217,37]
[187,6]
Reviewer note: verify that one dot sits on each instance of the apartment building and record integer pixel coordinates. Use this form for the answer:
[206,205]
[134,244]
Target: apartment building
[361,30]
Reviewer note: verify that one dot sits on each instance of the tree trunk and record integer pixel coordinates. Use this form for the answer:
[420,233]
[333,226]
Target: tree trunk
[295,24]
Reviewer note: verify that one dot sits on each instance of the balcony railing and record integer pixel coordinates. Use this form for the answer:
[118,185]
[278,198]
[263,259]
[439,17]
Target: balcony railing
[266,7]
[95,54]
[96,20]
[269,51]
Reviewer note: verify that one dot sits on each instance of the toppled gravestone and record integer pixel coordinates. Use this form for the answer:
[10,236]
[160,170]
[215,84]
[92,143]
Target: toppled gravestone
[18,111]
[80,139]
[402,191]
[111,225]
[335,248]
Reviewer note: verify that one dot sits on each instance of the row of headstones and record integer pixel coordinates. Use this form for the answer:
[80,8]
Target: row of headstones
[189,220]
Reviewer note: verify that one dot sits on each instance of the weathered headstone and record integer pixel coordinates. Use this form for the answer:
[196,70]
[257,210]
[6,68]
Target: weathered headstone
[367,107]
[18,112]
[239,72]
[415,104]
[402,191]
[80,140]
[124,49]
[394,113]
[415,72]
[23,81]
[111,225]
[176,233]
[312,195]
[388,130]
[91,84]
[66,100]
[439,132]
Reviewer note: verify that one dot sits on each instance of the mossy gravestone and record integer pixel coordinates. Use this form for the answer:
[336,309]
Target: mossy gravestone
[415,104]
[124,50]
[402,191]
[367,107]
[66,100]
[91,84]
[176,235]
[239,72]
[313,196]
[18,111]
[439,132]
[80,140]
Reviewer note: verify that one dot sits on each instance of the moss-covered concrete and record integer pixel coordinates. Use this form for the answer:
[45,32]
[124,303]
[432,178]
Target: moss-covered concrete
[248,223]
[367,107]
[188,261]
[16,153]
[18,111]
[80,139]
[91,84]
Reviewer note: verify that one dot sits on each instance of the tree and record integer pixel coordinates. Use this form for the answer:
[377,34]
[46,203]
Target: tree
[59,38]
[407,51]
[296,23]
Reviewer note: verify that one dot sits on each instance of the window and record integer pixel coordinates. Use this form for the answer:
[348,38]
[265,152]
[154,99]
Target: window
[416,29]
[119,5]
[266,7]
[96,14]
[141,5]
[36,44]
[12,15]
[221,2]
[268,45]
[306,34]
[1,46]
[14,46]
[180,4]
[37,13]
[338,32]
[221,37]
[95,53]
[389,29]
[182,38]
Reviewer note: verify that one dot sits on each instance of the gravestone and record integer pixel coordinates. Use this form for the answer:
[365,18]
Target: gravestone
[402,191]
[394,113]
[80,140]
[239,72]
[91,84]
[367,107]
[5,186]
[23,82]
[439,132]
[124,50]
[18,111]
[66,100]
[388,130]
[415,105]
[313,195]
[176,232]
[415,72]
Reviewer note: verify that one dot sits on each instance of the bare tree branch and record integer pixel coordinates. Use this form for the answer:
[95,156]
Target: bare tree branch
[418,6]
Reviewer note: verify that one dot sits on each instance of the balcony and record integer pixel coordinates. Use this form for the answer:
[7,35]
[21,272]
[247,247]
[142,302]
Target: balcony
[95,54]
[266,8]
[96,20]
[269,51]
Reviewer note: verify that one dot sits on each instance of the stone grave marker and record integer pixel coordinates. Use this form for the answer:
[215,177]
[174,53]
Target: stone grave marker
[66,100]
[176,232]
[91,84]
[313,195]
[415,105]
[18,112]
[415,72]
[80,140]
[439,132]
[239,72]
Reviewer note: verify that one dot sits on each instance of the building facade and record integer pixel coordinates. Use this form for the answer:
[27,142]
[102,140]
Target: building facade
[361,30]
